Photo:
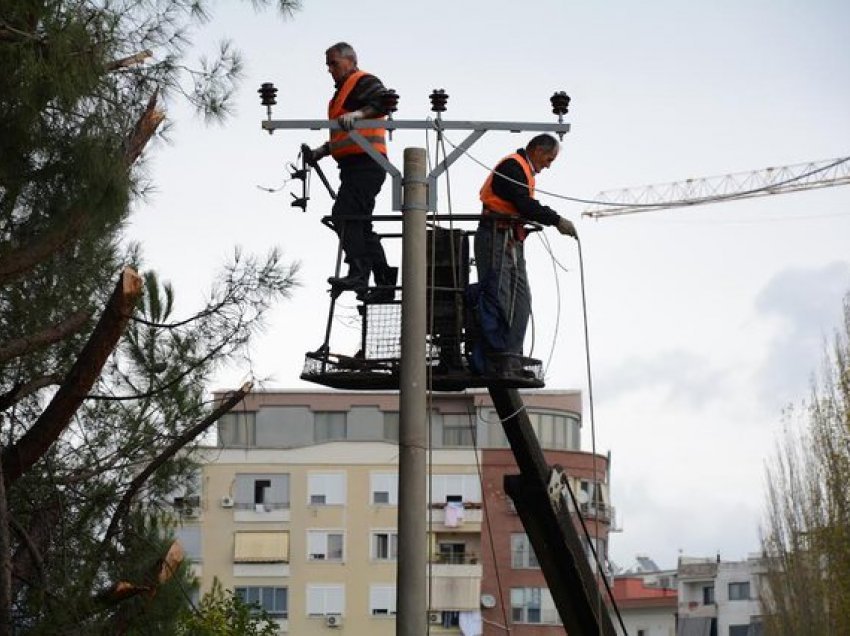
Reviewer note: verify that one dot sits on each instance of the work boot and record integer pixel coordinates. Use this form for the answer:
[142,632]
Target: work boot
[386,278]
[357,277]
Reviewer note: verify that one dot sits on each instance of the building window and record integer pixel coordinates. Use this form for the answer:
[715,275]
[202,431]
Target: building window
[385,546]
[451,553]
[323,545]
[325,599]
[739,630]
[522,554]
[384,488]
[458,429]
[326,489]
[533,605]
[262,492]
[261,547]
[554,430]
[382,600]
[450,619]
[708,595]
[329,426]
[391,426]
[739,591]
[271,599]
[190,538]
[237,429]
[465,488]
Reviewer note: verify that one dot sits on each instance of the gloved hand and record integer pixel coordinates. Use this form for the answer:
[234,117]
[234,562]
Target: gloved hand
[566,227]
[312,155]
[347,120]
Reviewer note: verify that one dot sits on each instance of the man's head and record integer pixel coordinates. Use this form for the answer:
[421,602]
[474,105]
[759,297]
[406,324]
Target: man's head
[341,60]
[541,151]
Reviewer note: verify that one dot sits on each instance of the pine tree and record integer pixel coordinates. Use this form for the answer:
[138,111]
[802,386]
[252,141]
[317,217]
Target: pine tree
[101,386]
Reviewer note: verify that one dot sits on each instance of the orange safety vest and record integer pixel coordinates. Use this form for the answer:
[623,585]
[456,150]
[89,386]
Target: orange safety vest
[495,206]
[342,145]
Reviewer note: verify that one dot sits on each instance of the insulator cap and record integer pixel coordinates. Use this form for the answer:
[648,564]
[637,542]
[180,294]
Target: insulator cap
[389,101]
[560,103]
[267,93]
[438,98]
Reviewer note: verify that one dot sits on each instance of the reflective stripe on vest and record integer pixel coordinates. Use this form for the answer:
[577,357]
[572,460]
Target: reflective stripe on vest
[342,145]
[495,205]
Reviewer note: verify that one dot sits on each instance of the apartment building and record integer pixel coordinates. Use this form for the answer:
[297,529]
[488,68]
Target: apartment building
[719,598]
[297,506]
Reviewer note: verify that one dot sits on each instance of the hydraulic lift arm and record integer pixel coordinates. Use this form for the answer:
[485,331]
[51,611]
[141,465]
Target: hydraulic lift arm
[546,518]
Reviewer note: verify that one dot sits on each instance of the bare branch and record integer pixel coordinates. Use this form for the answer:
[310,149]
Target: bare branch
[124,505]
[131,60]
[54,419]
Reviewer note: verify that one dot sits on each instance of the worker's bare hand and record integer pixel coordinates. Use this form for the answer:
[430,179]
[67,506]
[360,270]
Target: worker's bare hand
[347,120]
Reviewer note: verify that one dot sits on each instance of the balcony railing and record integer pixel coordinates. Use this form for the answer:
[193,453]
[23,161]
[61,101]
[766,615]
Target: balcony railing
[455,559]
[600,511]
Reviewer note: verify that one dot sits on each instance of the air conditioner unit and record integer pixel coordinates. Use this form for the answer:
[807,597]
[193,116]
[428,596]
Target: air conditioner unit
[189,511]
[227,502]
[435,617]
[192,500]
[333,620]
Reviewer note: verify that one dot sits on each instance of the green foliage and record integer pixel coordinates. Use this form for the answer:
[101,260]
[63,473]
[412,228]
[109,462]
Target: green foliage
[807,534]
[221,613]
[71,98]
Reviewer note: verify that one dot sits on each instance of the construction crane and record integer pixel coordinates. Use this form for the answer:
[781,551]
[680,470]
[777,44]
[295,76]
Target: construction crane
[729,187]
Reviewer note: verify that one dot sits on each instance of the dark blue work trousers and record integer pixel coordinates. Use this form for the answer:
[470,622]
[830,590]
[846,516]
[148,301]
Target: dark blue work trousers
[359,185]
[497,250]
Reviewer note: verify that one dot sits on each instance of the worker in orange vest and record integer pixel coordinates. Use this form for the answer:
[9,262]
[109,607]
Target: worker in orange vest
[358,96]
[507,198]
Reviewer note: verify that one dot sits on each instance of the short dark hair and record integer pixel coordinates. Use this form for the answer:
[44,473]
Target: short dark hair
[544,141]
[344,49]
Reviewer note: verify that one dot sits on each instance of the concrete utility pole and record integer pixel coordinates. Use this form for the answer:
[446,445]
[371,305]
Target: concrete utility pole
[411,597]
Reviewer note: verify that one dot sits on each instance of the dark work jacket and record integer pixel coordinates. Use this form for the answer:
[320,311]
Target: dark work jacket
[528,207]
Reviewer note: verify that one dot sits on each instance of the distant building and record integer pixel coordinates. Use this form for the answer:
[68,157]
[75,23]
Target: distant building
[646,610]
[298,505]
[719,598]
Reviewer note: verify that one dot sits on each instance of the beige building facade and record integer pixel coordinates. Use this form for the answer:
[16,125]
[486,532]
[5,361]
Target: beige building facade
[297,507]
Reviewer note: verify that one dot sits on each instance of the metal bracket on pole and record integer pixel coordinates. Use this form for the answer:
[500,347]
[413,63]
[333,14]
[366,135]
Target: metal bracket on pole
[478,129]
[441,167]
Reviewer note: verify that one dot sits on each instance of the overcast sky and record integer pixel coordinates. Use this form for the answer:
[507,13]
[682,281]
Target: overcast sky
[704,322]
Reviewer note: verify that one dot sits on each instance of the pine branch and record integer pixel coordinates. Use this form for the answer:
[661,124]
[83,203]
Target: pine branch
[17,459]
[23,389]
[190,434]
[130,60]
[18,261]
[54,333]
[5,563]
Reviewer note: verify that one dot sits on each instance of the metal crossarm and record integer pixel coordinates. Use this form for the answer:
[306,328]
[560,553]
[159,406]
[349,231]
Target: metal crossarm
[478,129]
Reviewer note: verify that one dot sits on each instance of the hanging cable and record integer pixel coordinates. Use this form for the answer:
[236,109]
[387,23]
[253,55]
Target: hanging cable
[591,412]
[545,240]
[473,426]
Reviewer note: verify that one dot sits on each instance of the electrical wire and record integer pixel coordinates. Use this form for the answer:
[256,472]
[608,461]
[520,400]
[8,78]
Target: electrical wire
[681,202]
[591,411]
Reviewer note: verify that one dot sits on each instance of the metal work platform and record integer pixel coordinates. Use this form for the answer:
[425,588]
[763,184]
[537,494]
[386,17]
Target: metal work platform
[451,336]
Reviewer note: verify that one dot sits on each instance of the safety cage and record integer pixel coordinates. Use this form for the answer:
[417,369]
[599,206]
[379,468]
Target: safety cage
[455,351]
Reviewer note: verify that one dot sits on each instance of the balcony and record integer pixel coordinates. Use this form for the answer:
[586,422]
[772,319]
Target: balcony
[467,520]
[600,511]
[250,511]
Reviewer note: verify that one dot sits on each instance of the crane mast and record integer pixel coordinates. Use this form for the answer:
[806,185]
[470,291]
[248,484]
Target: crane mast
[729,187]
